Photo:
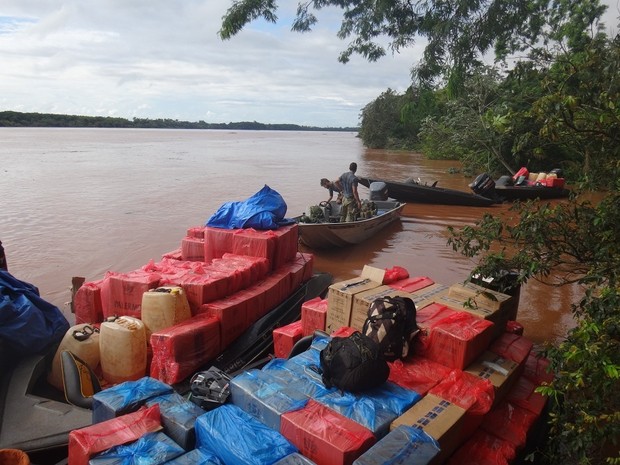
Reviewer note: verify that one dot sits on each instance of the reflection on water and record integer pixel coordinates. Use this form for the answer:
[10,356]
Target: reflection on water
[80,202]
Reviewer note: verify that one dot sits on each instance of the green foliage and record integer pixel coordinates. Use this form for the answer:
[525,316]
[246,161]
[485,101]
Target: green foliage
[16,119]
[393,120]
[579,111]
[458,32]
[573,242]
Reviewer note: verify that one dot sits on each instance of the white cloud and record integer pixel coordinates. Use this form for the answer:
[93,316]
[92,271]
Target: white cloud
[161,59]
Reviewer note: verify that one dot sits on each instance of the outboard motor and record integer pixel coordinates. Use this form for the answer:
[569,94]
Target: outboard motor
[504,181]
[558,172]
[484,185]
[378,191]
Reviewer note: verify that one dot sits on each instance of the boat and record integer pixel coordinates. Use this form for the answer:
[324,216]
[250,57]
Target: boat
[323,229]
[267,273]
[266,389]
[417,192]
[37,419]
[452,393]
[521,186]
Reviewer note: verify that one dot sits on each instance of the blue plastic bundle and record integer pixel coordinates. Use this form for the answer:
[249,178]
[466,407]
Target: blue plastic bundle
[266,399]
[28,324]
[264,210]
[178,416]
[405,445]
[152,448]
[196,457]
[237,437]
[126,397]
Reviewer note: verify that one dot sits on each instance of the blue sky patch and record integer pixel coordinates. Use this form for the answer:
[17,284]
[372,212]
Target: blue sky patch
[11,24]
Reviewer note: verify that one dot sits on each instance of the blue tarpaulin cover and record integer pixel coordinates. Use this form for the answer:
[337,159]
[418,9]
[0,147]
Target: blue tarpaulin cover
[28,323]
[236,437]
[263,210]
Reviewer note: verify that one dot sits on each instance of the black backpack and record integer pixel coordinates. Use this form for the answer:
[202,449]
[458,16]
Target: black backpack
[353,363]
[392,324]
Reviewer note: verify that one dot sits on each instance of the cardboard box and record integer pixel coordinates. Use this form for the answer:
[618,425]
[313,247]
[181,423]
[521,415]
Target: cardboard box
[440,419]
[340,296]
[451,338]
[502,373]
[480,296]
[362,301]
[498,317]
[429,294]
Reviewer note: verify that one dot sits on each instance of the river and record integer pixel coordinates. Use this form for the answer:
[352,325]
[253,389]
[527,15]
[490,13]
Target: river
[80,202]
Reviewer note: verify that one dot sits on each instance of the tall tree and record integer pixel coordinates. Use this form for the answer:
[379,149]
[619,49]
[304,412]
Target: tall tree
[458,32]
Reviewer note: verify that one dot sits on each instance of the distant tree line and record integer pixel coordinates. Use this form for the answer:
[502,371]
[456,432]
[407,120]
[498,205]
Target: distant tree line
[40,120]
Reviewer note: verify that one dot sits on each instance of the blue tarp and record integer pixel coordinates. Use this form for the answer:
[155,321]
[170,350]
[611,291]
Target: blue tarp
[28,323]
[263,210]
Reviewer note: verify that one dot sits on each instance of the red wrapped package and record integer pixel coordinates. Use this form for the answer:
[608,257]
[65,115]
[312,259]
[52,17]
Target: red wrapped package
[474,394]
[325,436]
[180,350]
[87,441]
[87,304]
[418,374]
[512,347]
[412,284]
[509,422]
[313,315]
[395,273]
[285,337]
[484,449]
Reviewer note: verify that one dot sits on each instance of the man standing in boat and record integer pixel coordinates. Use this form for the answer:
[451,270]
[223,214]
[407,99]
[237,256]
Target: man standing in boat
[351,204]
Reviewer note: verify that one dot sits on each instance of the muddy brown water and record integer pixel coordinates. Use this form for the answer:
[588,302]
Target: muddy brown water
[81,202]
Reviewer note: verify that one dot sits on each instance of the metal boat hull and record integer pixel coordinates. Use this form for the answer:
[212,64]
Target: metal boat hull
[419,193]
[330,235]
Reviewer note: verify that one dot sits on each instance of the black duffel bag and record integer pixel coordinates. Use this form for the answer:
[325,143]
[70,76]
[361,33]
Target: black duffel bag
[353,363]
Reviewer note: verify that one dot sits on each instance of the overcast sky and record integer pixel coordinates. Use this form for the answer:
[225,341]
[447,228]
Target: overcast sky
[164,59]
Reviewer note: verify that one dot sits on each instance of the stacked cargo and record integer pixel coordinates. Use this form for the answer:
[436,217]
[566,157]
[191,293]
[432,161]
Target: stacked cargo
[228,278]
[466,395]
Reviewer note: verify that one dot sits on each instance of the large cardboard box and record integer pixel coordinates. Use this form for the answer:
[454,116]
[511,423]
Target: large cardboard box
[362,301]
[480,296]
[499,317]
[340,296]
[502,373]
[440,419]
[454,339]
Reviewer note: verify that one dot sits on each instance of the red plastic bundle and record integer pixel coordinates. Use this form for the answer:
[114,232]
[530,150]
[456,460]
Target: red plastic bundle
[395,273]
[85,442]
[313,315]
[418,374]
[509,422]
[325,436]
[474,394]
[180,350]
[484,449]
[512,347]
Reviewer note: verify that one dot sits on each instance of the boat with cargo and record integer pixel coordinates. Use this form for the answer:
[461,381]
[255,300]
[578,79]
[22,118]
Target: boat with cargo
[467,388]
[322,228]
[413,191]
[521,186]
[471,367]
